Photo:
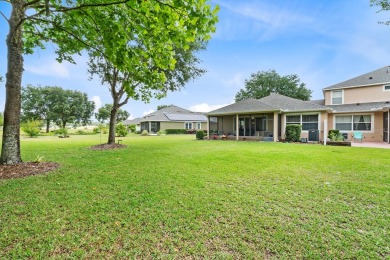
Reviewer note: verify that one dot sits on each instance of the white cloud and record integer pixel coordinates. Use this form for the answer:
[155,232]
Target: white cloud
[98,102]
[49,68]
[204,107]
[148,112]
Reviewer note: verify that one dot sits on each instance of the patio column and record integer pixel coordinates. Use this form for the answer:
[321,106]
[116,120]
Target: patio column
[325,130]
[150,127]
[237,132]
[208,127]
[388,127]
[275,126]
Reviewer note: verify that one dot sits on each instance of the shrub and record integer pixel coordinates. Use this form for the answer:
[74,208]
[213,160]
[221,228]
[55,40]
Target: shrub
[199,134]
[62,132]
[161,132]
[293,133]
[144,132]
[191,131]
[96,130]
[175,131]
[120,130]
[333,133]
[32,127]
[138,132]
[132,128]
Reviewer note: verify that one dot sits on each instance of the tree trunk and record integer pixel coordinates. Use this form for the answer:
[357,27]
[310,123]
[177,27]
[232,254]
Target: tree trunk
[10,152]
[47,126]
[112,124]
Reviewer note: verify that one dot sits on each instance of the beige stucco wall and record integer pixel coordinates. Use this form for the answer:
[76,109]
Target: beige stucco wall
[376,133]
[374,93]
[179,125]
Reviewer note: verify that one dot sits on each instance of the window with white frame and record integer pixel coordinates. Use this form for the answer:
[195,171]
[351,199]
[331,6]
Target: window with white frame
[353,123]
[198,125]
[386,88]
[337,97]
[188,125]
[307,122]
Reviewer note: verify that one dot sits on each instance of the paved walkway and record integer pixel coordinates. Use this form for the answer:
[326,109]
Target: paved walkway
[371,144]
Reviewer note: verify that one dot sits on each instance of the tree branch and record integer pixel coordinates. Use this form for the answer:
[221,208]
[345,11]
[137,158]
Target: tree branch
[4,16]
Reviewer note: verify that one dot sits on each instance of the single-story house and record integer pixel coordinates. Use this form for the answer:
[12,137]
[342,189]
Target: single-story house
[173,117]
[359,104]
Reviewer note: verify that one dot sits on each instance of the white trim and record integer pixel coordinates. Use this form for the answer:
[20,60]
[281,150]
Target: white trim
[306,113]
[357,86]
[192,124]
[356,114]
[384,87]
[200,125]
[342,96]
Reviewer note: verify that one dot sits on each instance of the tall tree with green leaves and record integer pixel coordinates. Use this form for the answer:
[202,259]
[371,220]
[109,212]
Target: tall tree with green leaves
[73,26]
[384,5]
[38,103]
[263,83]
[163,106]
[104,113]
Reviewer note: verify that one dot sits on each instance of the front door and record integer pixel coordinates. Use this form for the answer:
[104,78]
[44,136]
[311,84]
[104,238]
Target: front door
[386,127]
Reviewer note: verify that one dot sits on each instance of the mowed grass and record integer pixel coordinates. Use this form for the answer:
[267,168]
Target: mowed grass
[175,197]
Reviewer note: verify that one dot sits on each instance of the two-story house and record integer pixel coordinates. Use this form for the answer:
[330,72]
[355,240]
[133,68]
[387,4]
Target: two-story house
[359,104]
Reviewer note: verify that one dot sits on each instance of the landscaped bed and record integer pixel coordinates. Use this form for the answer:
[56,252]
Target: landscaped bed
[174,197]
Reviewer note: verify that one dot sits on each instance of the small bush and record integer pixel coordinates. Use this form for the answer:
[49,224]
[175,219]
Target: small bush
[138,132]
[293,133]
[61,132]
[161,132]
[200,134]
[120,130]
[333,133]
[191,131]
[96,130]
[132,128]
[144,132]
[32,128]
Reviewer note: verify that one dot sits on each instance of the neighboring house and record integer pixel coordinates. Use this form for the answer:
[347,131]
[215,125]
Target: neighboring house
[173,117]
[359,104]
[135,121]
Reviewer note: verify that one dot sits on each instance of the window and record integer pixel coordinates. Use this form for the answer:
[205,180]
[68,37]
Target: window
[261,123]
[337,97]
[354,123]
[188,125]
[306,121]
[198,125]
[386,87]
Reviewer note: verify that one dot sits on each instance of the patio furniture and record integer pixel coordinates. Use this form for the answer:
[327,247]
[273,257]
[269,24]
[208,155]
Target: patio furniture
[358,136]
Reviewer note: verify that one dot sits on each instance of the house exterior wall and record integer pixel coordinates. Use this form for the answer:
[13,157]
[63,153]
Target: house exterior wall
[180,125]
[375,93]
[376,133]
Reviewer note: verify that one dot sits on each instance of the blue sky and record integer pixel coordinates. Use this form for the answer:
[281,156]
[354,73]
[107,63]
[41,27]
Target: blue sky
[323,42]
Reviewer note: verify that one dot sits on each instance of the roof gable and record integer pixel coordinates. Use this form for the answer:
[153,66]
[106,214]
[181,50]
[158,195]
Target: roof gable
[271,103]
[379,76]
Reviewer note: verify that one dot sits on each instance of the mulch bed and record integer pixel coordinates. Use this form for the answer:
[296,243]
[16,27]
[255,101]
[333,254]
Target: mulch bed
[107,146]
[22,170]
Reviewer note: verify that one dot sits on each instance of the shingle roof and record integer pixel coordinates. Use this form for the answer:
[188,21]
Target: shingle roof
[271,103]
[378,76]
[360,107]
[180,114]
[186,117]
[133,121]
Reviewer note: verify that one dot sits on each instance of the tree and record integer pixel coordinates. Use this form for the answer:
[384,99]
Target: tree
[263,83]
[1,118]
[76,25]
[38,103]
[163,106]
[71,106]
[104,113]
[384,6]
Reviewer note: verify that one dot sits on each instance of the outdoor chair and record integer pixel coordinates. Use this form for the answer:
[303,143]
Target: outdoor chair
[358,136]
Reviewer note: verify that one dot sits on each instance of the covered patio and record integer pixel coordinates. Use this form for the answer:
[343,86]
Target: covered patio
[262,126]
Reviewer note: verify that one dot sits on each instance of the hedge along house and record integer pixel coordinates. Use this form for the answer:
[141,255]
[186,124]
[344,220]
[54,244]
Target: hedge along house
[359,104]
[173,117]
[266,118]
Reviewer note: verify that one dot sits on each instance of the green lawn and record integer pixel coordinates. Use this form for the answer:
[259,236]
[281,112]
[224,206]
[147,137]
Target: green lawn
[174,197]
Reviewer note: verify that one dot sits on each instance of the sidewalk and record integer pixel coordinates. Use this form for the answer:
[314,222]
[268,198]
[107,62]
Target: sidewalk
[371,144]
